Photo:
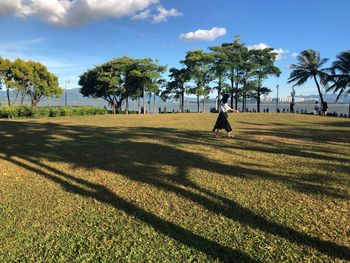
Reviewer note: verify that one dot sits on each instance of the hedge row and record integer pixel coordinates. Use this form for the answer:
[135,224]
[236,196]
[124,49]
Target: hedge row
[35,112]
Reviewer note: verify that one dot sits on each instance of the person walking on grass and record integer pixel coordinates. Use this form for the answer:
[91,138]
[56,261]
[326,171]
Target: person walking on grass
[222,120]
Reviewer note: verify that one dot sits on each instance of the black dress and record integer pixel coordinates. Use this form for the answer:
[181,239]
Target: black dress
[222,122]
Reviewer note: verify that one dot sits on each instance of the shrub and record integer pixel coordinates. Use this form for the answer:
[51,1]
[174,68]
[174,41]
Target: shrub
[11,112]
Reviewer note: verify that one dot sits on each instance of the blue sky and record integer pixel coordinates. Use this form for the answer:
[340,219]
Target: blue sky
[72,36]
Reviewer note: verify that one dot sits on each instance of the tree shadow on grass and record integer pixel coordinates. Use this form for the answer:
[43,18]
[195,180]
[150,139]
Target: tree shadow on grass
[83,146]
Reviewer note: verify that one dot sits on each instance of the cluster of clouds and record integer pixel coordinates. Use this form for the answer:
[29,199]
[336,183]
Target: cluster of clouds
[161,16]
[203,34]
[280,51]
[78,12]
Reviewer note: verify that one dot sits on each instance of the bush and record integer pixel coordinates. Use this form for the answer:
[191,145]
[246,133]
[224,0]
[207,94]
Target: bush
[10,112]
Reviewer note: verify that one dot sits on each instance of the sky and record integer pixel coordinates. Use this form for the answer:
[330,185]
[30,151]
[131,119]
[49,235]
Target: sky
[71,36]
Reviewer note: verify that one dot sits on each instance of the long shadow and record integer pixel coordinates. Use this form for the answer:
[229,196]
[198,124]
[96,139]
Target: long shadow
[117,144]
[104,195]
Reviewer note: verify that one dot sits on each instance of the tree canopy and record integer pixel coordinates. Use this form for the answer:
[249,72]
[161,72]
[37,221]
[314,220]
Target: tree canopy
[120,79]
[28,78]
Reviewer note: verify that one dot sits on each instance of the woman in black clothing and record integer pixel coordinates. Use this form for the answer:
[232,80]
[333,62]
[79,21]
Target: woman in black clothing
[222,121]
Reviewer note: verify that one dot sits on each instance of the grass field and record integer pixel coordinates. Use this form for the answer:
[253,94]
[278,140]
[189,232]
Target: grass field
[162,188]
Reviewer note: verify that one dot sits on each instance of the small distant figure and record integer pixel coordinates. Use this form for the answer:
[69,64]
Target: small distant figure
[159,110]
[173,110]
[222,121]
[287,110]
[324,108]
[278,110]
[317,108]
[267,110]
[246,110]
[142,110]
[297,111]
[164,110]
[264,110]
[284,110]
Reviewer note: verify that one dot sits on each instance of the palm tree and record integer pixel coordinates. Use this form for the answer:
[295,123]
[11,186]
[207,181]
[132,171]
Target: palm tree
[309,66]
[340,74]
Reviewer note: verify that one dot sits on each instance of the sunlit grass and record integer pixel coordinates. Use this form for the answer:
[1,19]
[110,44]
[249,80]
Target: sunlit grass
[162,188]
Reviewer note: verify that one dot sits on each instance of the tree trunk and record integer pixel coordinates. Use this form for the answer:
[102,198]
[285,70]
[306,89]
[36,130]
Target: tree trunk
[203,103]
[232,86]
[114,106]
[198,104]
[138,104]
[258,98]
[8,96]
[236,95]
[154,103]
[144,99]
[218,99]
[243,102]
[127,105]
[182,100]
[219,93]
[22,97]
[319,92]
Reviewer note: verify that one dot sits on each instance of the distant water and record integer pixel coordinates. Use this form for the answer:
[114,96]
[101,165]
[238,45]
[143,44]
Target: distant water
[192,105]
[171,106]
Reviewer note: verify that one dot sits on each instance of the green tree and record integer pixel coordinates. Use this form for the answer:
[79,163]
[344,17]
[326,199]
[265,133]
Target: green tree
[5,77]
[219,69]
[339,76]
[309,66]
[263,60]
[42,83]
[198,65]
[21,74]
[144,75]
[177,85]
[109,81]
[30,78]
[234,57]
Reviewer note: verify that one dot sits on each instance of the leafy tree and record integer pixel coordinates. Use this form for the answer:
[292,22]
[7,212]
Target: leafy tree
[219,68]
[198,65]
[340,74]
[30,78]
[42,83]
[233,54]
[248,91]
[156,88]
[109,81]
[21,74]
[263,60]
[144,74]
[5,77]
[102,82]
[309,66]
[177,85]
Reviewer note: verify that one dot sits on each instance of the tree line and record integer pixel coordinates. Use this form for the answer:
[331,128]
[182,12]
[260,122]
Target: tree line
[228,68]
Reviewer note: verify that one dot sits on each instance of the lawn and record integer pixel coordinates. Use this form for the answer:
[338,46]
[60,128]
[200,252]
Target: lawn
[163,189]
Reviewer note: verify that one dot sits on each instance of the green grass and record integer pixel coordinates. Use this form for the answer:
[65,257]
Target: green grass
[163,189]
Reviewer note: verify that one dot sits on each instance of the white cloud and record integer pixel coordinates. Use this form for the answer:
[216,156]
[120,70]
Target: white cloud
[202,35]
[163,14]
[143,15]
[278,51]
[295,54]
[9,6]
[77,12]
